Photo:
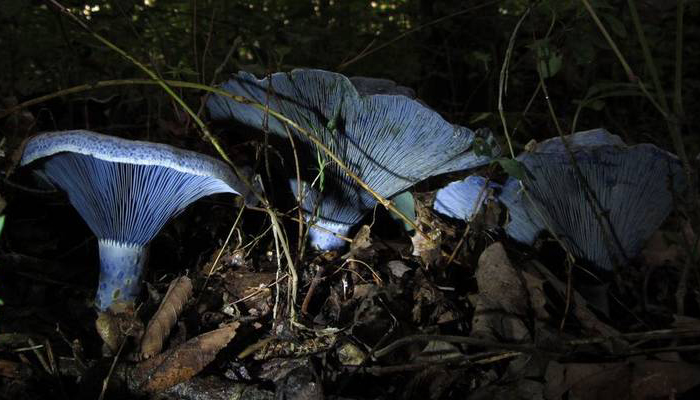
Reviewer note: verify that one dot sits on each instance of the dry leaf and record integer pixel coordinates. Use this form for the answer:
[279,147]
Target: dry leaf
[579,305]
[14,370]
[398,268]
[215,388]
[115,327]
[361,246]
[427,249]
[252,289]
[501,304]
[659,252]
[183,362]
[164,319]
[642,379]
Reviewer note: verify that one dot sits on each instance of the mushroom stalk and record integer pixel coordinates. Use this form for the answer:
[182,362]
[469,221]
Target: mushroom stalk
[323,239]
[121,268]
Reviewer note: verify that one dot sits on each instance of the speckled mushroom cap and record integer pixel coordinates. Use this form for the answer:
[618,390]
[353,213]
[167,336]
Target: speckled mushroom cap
[115,149]
[388,139]
[635,186]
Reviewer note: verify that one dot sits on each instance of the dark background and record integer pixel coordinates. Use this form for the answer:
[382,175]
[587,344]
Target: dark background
[450,52]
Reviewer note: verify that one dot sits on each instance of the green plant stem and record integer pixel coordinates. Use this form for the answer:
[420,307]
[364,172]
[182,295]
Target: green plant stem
[672,120]
[190,85]
[602,218]
[162,83]
[503,80]
[628,70]
[367,51]
[648,59]
[678,78]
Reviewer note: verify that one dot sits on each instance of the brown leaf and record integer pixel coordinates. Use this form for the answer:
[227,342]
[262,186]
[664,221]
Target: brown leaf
[252,289]
[114,327]
[659,252]
[179,291]
[578,307]
[183,362]
[427,249]
[14,370]
[361,246]
[501,305]
[641,379]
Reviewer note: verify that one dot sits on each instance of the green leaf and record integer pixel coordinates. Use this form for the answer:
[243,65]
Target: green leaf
[482,148]
[480,117]
[615,25]
[596,104]
[549,61]
[2,223]
[404,203]
[282,51]
[512,167]
[321,160]
[607,87]
[583,51]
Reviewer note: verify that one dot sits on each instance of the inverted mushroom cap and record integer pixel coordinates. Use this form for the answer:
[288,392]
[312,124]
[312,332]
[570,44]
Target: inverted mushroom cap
[390,141]
[126,191]
[635,186]
[462,199]
[523,223]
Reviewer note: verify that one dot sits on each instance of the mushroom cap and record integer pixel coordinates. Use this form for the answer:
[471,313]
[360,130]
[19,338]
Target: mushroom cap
[126,190]
[462,199]
[523,223]
[390,141]
[136,152]
[635,186]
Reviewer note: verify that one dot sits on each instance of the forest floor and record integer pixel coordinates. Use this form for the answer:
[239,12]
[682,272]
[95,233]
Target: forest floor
[469,314]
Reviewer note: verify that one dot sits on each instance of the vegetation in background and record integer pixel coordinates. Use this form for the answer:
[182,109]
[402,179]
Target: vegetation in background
[449,51]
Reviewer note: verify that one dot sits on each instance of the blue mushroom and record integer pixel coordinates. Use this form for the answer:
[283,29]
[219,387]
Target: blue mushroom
[126,191]
[463,199]
[635,186]
[388,139]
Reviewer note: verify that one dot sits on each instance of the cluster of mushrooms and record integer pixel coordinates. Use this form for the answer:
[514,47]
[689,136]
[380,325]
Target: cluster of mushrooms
[127,190]
[599,197]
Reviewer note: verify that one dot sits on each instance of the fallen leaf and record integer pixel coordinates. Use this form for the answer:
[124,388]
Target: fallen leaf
[158,328]
[361,246]
[659,252]
[428,249]
[501,304]
[183,362]
[397,268]
[115,327]
[639,379]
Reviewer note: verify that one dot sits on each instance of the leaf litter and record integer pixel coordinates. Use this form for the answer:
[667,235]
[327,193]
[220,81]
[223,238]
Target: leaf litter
[462,313]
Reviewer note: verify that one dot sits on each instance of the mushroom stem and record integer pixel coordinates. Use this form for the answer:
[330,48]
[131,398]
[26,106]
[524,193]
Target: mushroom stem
[121,266]
[323,238]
